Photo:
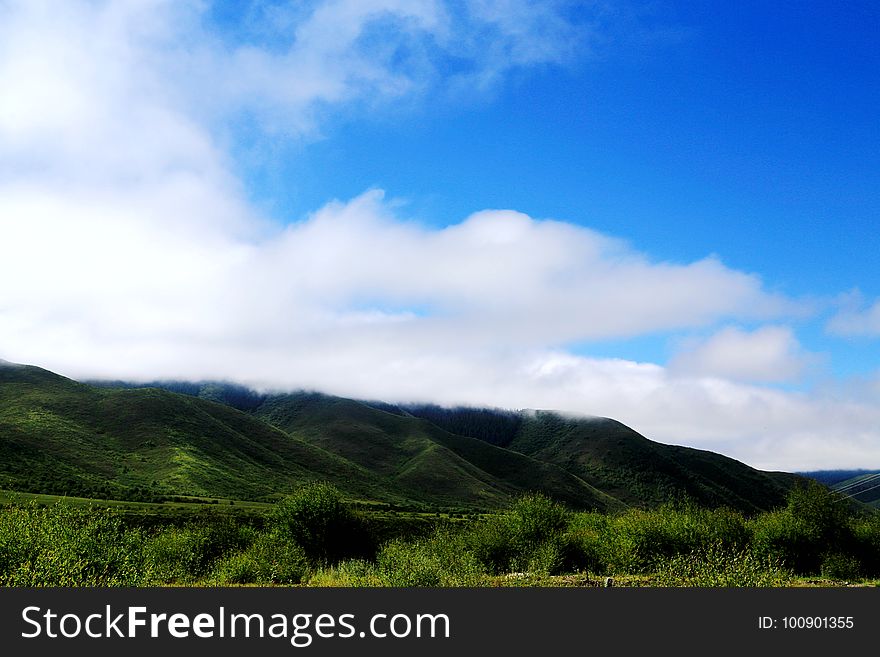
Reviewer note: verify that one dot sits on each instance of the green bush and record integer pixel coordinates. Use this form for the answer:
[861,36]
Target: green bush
[866,544]
[270,559]
[317,519]
[814,523]
[837,565]
[439,560]
[637,541]
[581,544]
[720,566]
[62,545]
[176,555]
[528,538]
[184,555]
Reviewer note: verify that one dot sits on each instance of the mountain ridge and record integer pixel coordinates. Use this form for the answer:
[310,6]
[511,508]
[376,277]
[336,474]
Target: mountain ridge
[221,439]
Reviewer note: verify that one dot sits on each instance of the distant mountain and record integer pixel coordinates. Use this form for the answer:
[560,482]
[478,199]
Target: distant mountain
[620,461]
[230,394]
[61,436]
[864,488]
[833,477]
[418,455]
[223,440]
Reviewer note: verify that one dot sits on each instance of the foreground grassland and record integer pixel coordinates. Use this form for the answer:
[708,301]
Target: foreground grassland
[313,538]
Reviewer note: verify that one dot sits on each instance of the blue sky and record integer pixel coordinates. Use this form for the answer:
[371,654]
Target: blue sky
[746,130]
[661,212]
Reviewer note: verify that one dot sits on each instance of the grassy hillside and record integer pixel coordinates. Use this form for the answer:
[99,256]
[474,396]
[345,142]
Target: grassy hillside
[623,463]
[59,436]
[63,437]
[421,457]
[864,488]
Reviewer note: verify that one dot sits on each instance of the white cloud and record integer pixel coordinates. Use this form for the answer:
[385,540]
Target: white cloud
[856,320]
[129,248]
[128,85]
[770,354]
[499,279]
[358,302]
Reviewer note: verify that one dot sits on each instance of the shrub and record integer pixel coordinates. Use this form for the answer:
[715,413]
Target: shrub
[814,523]
[536,519]
[316,518]
[720,566]
[491,543]
[440,560]
[186,554]
[636,541]
[270,559]
[176,555]
[836,565]
[866,544]
[63,545]
[527,538]
[581,546]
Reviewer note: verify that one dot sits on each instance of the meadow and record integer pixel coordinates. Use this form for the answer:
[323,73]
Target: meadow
[313,537]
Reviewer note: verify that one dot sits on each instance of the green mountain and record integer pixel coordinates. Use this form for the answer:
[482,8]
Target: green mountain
[60,436]
[614,458]
[220,440]
[418,455]
[864,487]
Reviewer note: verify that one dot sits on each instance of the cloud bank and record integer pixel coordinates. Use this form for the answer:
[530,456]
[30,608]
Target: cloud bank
[130,249]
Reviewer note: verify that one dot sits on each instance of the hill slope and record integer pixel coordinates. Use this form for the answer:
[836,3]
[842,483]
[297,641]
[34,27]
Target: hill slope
[416,454]
[620,461]
[59,436]
[864,488]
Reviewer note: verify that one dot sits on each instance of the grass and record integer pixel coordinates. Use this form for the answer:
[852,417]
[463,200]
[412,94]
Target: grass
[153,445]
[314,538]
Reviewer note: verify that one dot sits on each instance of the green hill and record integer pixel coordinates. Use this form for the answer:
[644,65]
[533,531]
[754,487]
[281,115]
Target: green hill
[60,436]
[418,455]
[623,463]
[63,437]
[864,488]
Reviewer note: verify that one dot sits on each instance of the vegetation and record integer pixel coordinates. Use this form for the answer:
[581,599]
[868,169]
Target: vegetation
[314,538]
[164,488]
[178,441]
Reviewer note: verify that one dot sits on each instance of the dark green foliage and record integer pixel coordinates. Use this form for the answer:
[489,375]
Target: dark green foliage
[529,538]
[494,426]
[814,524]
[841,566]
[866,544]
[230,394]
[316,518]
[187,554]
[638,540]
